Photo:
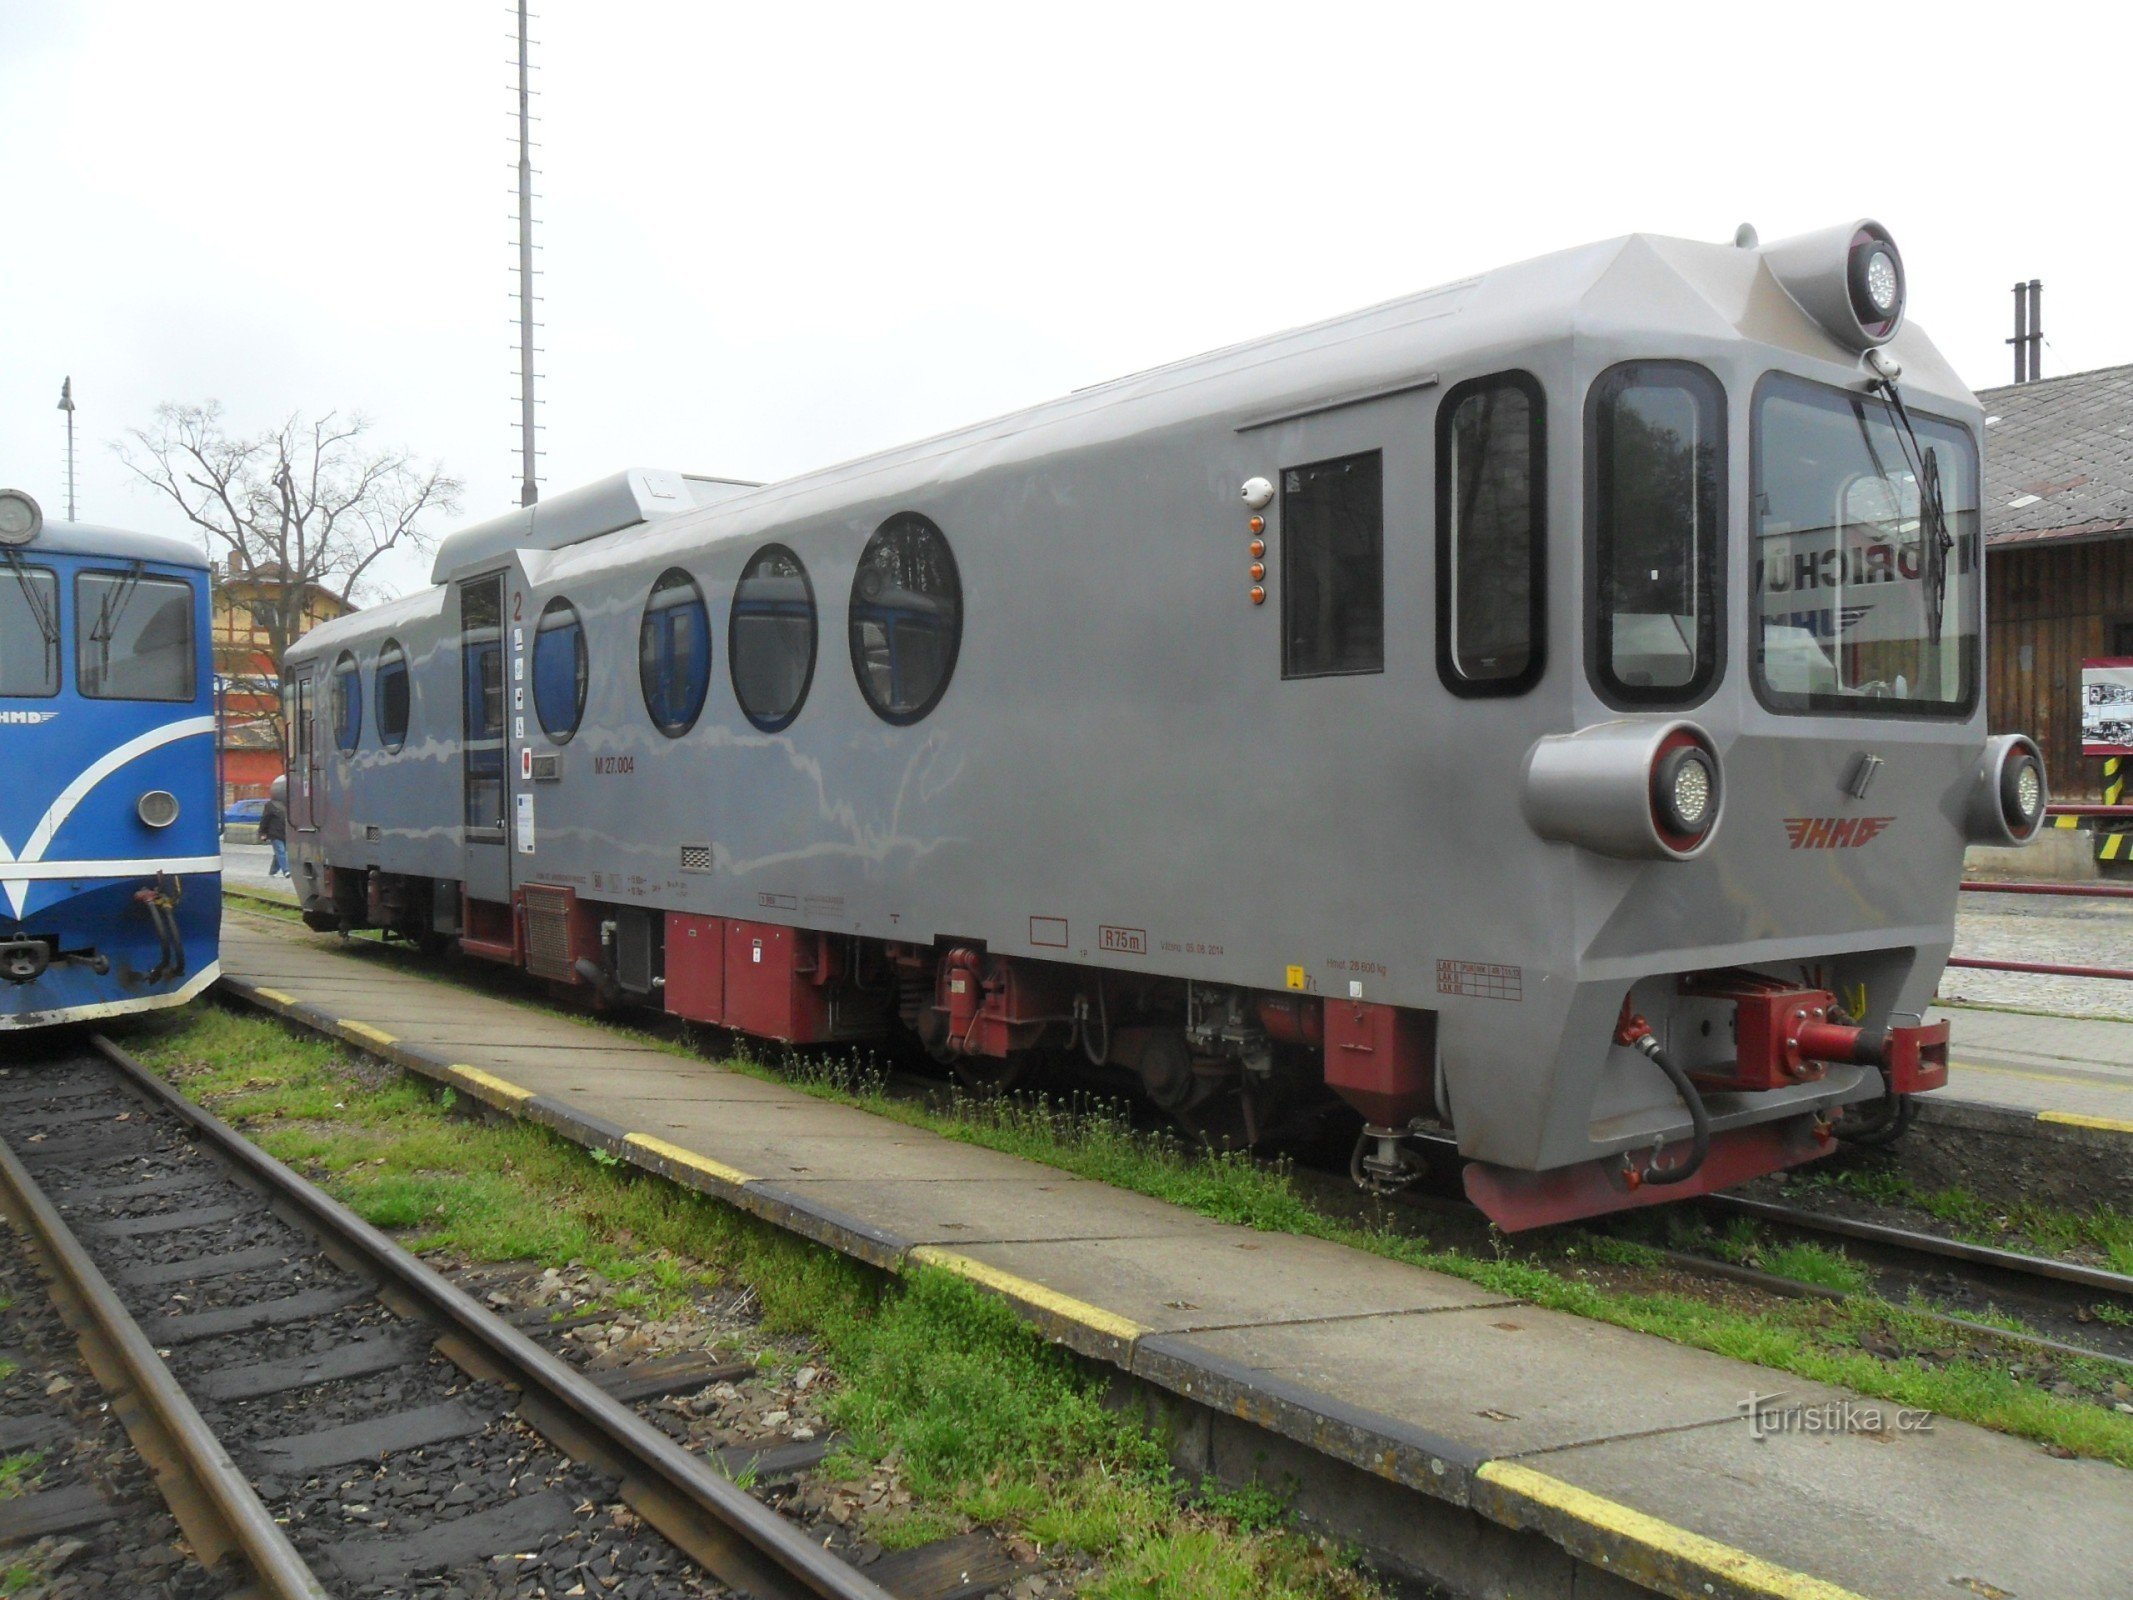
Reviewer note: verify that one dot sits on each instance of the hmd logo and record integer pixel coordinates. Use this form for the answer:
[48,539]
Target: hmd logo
[1834,833]
[25,719]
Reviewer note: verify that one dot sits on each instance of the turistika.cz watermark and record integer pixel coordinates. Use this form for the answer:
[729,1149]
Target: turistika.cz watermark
[1769,1414]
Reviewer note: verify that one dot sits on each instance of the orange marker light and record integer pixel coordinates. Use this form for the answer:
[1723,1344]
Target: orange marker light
[1258,524]
[1258,596]
[1258,548]
[1258,570]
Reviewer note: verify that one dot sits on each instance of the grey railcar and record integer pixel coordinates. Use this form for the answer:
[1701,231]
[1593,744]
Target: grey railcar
[1547,707]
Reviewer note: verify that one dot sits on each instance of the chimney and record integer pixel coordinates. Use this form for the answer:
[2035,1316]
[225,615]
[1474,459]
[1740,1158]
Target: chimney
[2028,340]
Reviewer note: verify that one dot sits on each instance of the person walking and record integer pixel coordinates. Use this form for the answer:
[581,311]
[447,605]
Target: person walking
[274,827]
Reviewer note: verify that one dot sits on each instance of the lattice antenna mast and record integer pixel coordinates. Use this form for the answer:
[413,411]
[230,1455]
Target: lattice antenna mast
[529,480]
[66,404]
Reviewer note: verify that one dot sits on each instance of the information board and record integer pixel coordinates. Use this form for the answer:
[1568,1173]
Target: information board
[2107,706]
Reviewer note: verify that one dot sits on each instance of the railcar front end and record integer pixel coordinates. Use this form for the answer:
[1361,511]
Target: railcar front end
[110,871]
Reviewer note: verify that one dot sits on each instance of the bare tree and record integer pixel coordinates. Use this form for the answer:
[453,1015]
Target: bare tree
[311,504]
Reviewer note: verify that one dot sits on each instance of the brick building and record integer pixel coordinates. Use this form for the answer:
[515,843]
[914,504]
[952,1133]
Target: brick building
[247,676]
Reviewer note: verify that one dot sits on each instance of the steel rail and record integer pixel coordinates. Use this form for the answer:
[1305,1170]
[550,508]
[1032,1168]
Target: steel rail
[214,1503]
[734,1536]
[1881,1233]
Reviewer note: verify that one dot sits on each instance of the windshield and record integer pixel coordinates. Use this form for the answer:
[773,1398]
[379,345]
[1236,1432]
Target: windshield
[135,636]
[1848,618]
[29,631]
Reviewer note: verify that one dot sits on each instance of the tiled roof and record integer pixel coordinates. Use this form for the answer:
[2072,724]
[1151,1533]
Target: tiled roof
[2059,458]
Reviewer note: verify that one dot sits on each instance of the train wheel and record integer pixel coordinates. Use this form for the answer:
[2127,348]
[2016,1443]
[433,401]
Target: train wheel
[1234,1117]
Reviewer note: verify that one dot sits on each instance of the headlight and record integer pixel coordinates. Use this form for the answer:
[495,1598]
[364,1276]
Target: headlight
[1849,279]
[1875,276]
[1685,790]
[1638,791]
[2010,796]
[2022,793]
[158,808]
[1881,281]
[20,517]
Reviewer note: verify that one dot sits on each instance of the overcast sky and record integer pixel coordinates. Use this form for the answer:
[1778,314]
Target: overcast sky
[778,236]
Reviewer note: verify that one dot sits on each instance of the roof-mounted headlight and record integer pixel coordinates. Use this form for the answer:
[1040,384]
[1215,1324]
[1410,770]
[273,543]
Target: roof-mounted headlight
[1875,273]
[1849,279]
[21,518]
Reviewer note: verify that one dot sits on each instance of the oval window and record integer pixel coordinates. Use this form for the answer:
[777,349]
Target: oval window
[559,670]
[389,687]
[770,638]
[674,653]
[347,702]
[906,618]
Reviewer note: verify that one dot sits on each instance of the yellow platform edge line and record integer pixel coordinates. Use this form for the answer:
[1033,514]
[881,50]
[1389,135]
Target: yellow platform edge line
[364,1030]
[1064,1306]
[689,1158]
[275,996]
[478,1080]
[2075,1119]
[1738,1567]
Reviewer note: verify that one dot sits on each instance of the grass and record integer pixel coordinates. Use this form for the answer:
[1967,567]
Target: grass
[2046,1229]
[16,1578]
[19,1473]
[1812,1263]
[985,1421]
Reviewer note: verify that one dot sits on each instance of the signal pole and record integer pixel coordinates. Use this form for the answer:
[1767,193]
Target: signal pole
[529,488]
[66,404]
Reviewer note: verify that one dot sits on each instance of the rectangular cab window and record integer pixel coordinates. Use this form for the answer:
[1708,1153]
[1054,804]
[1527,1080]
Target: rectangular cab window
[1491,508]
[29,631]
[135,637]
[1333,567]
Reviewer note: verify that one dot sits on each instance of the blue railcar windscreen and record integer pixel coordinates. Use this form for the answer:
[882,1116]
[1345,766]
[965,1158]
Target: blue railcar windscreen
[134,637]
[560,670]
[674,653]
[29,631]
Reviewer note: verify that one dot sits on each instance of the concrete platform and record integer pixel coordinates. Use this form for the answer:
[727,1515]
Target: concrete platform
[1629,1459]
[2073,1070]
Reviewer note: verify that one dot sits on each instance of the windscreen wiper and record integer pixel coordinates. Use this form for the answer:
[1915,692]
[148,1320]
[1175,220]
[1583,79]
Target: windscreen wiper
[1932,511]
[108,611]
[47,623]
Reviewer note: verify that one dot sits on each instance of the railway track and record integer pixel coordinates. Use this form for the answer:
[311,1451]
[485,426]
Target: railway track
[1967,1284]
[2050,1293]
[77,1501]
[326,1415]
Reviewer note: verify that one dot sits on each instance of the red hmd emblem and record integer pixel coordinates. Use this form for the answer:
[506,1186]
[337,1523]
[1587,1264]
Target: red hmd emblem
[1833,833]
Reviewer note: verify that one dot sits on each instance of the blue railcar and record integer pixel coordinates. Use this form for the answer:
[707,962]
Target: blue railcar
[110,872]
